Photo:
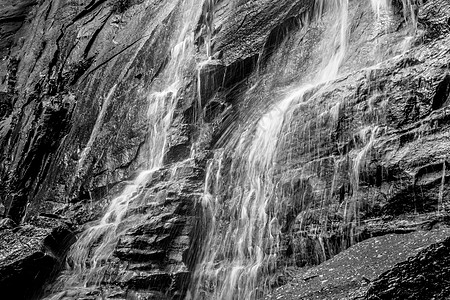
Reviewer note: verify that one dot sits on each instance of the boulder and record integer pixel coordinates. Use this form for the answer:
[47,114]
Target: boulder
[387,267]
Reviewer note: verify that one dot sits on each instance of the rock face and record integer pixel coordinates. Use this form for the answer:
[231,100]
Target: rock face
[353,272]
[31,256]
[151,259]
[363,156]
[13,15]
[420,276]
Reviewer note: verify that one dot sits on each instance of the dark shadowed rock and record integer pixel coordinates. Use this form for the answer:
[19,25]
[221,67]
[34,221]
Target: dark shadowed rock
[31,255]
[13,14]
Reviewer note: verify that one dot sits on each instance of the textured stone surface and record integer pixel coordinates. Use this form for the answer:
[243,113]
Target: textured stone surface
[31,255]
[13,14]
[75,76]
[422,276]
[351,273]
[152,257]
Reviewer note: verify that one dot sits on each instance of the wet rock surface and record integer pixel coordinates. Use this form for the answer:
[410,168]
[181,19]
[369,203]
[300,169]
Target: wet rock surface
[31,255]
[356,273]
[382,154]
[422,276]
[153,258]
[76,75]
[12,16]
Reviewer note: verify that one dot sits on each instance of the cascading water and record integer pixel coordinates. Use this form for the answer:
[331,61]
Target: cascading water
[96,244]
[88,257]
[380,7]
[232,265]
[238,255]
[242,244]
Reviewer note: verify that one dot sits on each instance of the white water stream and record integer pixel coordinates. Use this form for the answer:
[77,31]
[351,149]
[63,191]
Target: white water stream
[243,240]
[89,256]
[236,257]
[247,248]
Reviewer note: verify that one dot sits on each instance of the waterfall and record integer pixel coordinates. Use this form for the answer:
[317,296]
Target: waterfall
[243,239]
[244,225]
[95,245]
[89,256]
[236,255]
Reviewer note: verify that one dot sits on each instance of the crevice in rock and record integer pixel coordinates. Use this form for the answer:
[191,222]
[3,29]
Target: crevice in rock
[88,9]
[442,94]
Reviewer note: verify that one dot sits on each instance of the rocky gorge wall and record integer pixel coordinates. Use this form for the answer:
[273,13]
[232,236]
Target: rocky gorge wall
[362,157]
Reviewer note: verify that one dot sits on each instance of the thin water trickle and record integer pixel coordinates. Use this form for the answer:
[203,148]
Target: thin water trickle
[358,162]
[209,24]
[95,245]
[340,43]
[84,254]
[383,15]
[442,186]
[380,7]
[410,11]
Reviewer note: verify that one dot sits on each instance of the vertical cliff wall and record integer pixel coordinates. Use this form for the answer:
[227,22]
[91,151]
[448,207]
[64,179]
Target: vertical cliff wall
[85,86]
